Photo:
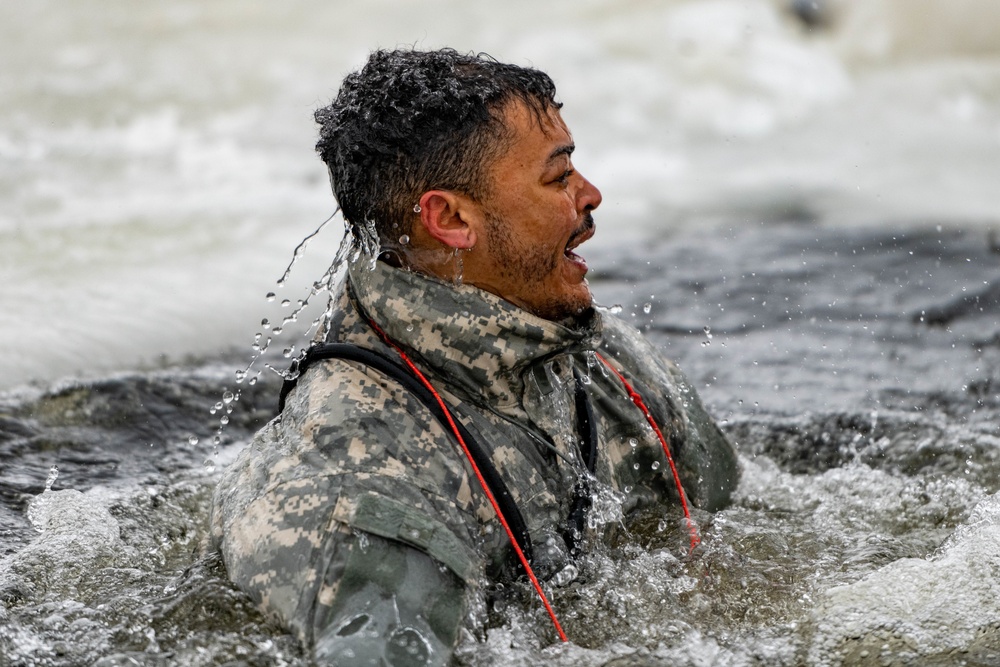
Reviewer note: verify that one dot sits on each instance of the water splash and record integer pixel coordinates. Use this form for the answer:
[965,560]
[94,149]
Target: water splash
[459,266]
[299,251]
[324,285]
[606,505]
[51,479]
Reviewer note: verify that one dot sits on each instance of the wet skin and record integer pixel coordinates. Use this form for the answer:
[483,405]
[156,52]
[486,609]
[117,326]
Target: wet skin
[519,243]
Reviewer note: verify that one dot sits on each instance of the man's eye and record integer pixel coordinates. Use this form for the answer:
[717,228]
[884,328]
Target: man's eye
[564,177]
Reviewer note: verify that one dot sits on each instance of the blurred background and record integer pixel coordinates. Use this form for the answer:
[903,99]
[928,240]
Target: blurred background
[157,164]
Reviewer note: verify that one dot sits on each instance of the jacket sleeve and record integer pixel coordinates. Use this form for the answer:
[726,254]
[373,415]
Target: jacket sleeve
[403,582]
[394,605]
[360,574]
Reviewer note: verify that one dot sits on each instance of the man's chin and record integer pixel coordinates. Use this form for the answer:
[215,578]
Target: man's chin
[569,310]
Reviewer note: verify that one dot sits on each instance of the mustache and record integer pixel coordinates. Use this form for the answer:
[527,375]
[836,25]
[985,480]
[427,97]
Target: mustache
[586,227]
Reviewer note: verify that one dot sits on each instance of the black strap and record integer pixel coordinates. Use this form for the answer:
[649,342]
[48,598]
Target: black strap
[586,427]
[586,424]
[409,382]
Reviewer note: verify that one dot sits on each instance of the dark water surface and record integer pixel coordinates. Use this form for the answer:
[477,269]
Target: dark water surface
[858,372]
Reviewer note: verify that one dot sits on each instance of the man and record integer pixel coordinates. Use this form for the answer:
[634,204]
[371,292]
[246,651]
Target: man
[484,407]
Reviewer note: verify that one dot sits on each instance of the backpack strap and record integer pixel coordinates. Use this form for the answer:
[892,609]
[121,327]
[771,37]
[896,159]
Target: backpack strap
[405,378]
[583,491]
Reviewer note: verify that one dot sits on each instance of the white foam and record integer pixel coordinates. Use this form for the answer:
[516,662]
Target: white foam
[918,607]
[157,166]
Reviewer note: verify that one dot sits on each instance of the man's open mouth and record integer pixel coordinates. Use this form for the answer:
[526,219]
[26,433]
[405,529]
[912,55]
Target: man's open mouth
[572,256]
[579,238]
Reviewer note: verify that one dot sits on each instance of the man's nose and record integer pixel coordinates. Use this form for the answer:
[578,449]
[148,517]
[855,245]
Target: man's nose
[589,197]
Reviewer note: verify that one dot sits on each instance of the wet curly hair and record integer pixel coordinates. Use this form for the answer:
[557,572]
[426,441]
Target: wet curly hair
[411,121]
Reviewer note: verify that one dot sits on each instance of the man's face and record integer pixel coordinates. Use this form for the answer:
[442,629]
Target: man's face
[537,212]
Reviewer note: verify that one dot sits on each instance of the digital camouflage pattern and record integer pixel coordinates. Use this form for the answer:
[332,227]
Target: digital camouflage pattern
[354,518]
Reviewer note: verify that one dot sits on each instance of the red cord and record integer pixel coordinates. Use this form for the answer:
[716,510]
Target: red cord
[637,399]
[482,482]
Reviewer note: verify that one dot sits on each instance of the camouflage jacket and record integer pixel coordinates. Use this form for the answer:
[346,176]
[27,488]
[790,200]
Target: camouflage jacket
[354,518]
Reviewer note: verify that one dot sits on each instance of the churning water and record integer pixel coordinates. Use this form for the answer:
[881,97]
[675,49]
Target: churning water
[803,219]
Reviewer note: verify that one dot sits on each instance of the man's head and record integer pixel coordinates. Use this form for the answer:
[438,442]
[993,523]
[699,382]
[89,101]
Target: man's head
[463,163]
[411,121]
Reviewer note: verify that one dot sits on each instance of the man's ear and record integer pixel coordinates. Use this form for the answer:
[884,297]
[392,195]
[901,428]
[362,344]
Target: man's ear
[450,217]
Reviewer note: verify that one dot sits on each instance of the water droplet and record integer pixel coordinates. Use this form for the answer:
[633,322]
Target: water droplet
[655,465]
[253,380]
[566,575]
[646,307]
[285,303]
[633,443]
[276,330]
[193,440]
[635,466]
[615,309]
[224,420]
[227,397]
[209,465]
[265,322]
[287,352]
[404,239]
[51,479]
[240,376]
[270,296]
[409,327]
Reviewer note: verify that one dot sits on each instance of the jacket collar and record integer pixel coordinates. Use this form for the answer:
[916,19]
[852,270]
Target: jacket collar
[472,338]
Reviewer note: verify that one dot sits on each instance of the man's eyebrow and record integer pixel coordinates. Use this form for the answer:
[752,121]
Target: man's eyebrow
[566,149]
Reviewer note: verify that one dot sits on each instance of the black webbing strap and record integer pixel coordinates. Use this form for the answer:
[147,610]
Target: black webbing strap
[409,382]
[586,426]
